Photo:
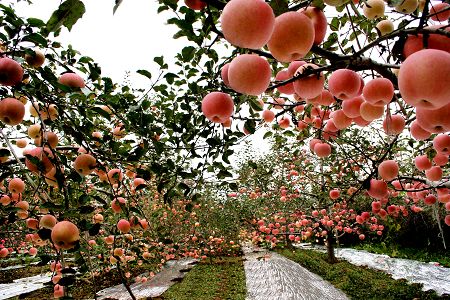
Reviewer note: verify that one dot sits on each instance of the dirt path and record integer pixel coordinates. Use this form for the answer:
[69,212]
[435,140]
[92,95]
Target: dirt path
[270,276]
[155,287]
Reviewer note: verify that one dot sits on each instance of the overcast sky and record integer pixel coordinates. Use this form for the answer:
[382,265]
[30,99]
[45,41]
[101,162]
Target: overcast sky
[126,41]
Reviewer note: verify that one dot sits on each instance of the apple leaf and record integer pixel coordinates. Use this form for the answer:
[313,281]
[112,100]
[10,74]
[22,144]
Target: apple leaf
[94,230]
[67,280]
[145,73]
[250,126]
[35,38]
[66,15]
[45,259]
[279,6]
[44,233]
[116,6]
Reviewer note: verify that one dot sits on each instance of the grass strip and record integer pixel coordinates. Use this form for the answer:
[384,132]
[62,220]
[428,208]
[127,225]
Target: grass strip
[215,279]
[358,282]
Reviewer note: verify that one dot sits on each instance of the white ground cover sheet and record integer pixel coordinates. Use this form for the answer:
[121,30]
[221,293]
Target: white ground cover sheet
[270,276]
[431,275]
[23,285]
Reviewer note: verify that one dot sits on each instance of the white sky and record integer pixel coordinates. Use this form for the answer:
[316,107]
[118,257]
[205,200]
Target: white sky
[126,41]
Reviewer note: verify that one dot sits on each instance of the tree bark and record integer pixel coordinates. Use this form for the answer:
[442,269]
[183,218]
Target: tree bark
[330,250]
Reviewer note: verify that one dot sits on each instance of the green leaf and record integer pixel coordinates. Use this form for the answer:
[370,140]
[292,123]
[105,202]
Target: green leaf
[51,205]
[140,187]
[160,61]
[254,103]
[167,241]
[44,233]
[250,126]
[86,209]
[267,134]
[67,14]
[109,86]
[252,164]
[393,3]
[101,112]
[35,22]
[94,230]
[116,6]
[188,53]
[85,59]
[4,152]
[67,280]
[45,259]
[145,73]
[83,199]
[189,207]
[94,71]
[334,24]
[170,77]
[223,174]
[279,6]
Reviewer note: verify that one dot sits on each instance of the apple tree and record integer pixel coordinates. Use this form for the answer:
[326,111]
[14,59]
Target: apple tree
[357,92]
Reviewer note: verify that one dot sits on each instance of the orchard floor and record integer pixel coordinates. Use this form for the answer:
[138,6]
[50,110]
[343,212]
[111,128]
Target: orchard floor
[271,276]
[260,274]
[432,275]
[84,288]
[359,282]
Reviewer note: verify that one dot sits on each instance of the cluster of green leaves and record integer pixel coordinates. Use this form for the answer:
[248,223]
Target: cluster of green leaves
[168,142]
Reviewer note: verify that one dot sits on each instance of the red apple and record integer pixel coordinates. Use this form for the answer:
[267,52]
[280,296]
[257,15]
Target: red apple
[378,189]
[388,170]
[440,12]
[422,162]
[16,185]
[11,72]
[423,79]
[319,21]
[434,120]
[249,74]
[123,226]
[12,111]
[47,221]
[344,84]
[217,107]
[65,235]
[36,59]
[418,132]
[292,38]
[84,164]
[71,80]
[441,143]
[247,23]
[195,4]
[311,86]
[378,91]
[43,155]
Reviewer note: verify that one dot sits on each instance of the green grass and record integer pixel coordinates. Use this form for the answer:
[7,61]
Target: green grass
[219,278]
[358,282]
[425,255]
